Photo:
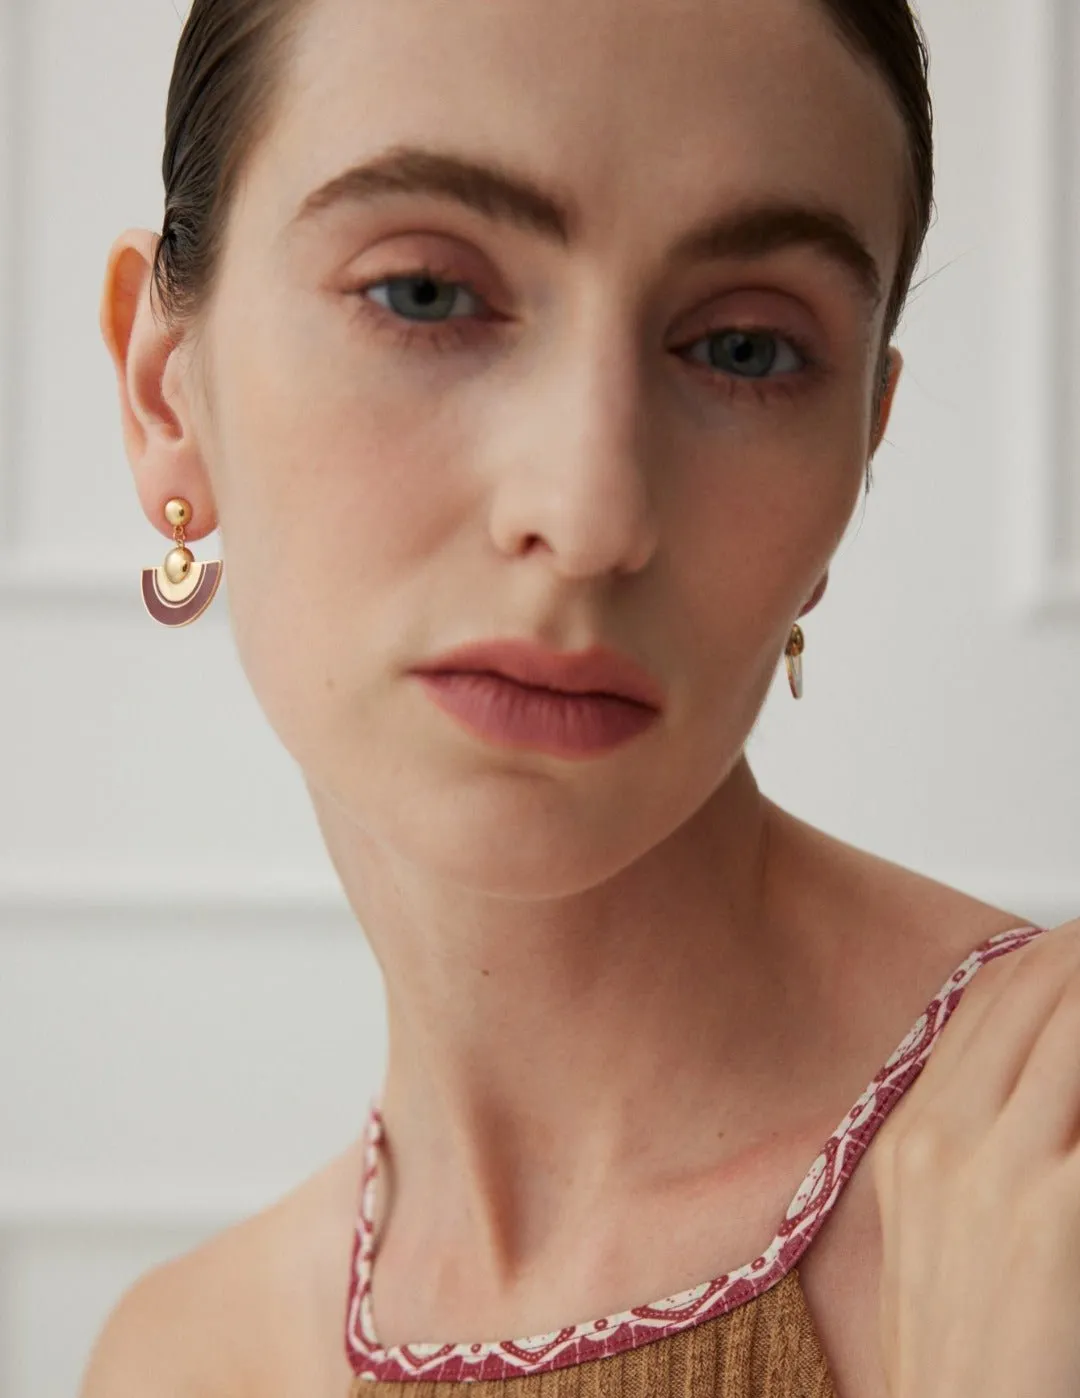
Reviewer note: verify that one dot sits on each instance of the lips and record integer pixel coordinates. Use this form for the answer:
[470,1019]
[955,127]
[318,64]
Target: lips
[598,670]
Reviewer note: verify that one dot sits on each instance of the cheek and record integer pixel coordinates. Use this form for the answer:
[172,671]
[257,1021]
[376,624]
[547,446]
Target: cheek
[758,526]
[762,529]
[320,464]
[334,531]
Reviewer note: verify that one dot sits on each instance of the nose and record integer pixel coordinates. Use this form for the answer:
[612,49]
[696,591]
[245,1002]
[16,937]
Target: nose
[573,474]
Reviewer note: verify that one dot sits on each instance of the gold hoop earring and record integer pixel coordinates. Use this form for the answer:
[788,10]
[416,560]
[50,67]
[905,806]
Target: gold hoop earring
[177,593]
[793,656]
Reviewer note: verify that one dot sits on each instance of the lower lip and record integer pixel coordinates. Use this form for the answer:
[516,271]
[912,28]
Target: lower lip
[564,725]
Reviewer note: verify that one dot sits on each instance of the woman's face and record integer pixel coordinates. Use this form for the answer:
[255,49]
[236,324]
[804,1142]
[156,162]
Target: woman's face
[573,447]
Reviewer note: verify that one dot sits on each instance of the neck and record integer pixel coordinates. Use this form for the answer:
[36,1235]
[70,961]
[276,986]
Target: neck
[630,1019]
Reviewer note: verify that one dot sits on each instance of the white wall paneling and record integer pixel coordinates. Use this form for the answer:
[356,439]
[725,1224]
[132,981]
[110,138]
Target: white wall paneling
[1039,285]
[137,893]
[13,109]
[72,1205]
[75,575]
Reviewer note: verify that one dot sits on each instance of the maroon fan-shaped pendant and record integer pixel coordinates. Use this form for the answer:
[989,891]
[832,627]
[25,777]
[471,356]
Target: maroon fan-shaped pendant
[179,604]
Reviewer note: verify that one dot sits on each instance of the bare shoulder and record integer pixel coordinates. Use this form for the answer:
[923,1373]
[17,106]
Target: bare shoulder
[922,909]
[894,932]
[162,1338]
[254,1311]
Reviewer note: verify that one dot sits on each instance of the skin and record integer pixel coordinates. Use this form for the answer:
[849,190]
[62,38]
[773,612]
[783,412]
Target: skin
[545,927]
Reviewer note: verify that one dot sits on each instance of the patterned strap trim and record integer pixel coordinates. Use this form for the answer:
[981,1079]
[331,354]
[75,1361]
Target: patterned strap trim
[597,1339]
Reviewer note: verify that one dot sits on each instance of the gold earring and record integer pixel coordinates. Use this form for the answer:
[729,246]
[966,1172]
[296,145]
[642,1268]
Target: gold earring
[793,656]
[178,592]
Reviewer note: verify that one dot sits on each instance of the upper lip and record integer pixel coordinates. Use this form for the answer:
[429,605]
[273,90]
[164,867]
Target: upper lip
[597,670]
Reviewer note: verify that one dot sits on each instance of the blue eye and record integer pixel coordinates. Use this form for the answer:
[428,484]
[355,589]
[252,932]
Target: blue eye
[752,352]
[420,291]
[739,360]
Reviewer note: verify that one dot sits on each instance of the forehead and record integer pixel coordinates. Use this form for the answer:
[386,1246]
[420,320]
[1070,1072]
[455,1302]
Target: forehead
[653,111]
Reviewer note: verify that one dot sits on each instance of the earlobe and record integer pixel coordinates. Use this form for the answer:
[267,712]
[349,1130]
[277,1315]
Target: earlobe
[817,594]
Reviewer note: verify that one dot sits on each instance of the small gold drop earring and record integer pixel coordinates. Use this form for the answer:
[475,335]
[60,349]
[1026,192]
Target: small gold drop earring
[177,593]
[793,656]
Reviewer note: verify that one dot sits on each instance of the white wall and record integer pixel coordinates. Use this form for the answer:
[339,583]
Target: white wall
[190,1022]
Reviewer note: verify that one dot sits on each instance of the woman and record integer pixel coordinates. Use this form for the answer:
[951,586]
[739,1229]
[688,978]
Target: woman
[569,325]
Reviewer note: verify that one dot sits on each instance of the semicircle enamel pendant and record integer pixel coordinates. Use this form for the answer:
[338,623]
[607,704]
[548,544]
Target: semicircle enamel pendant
[180,603]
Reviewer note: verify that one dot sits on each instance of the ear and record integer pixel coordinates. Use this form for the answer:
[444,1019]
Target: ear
[817,594]
[895,366]
[155,407]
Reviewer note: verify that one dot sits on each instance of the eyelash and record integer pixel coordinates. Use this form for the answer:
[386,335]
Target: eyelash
[445,335]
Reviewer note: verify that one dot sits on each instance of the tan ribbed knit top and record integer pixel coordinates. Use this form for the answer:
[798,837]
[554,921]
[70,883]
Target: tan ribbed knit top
[745,1334]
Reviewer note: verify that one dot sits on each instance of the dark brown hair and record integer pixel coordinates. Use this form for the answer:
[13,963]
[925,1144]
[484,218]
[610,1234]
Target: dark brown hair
[230,70]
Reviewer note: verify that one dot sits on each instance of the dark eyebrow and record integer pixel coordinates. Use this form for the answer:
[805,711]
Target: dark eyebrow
[751,231]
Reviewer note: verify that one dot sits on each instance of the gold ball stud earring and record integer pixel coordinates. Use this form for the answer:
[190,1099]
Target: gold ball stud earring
[793,656]
[177,593]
